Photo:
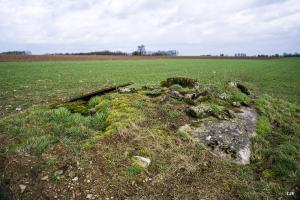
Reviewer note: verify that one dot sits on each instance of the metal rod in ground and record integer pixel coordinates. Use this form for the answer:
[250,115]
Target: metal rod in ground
[102,91]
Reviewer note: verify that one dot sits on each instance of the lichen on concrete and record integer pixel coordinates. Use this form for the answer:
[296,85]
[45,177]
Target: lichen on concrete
[231,139]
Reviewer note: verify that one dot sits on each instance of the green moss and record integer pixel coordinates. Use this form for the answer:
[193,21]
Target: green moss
[77,107]
[123,110]
[263,126]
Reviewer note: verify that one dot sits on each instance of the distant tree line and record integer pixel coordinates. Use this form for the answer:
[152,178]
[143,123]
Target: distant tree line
[105,52]
[291,55]
[17,53]
[141,51]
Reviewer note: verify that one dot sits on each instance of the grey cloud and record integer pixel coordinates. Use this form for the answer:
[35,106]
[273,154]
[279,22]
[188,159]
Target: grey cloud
[192,27]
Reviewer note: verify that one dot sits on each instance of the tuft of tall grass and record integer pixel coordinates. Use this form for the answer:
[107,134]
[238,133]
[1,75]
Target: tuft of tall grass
[98,121]
[263,126]
[36,145]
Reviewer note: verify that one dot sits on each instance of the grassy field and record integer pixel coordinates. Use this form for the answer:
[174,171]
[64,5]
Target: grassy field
[26,83]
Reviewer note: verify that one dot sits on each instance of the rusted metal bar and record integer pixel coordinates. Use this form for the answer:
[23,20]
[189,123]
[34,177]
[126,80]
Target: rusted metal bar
[102,91]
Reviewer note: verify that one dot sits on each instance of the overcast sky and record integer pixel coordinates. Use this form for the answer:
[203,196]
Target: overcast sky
[192,27]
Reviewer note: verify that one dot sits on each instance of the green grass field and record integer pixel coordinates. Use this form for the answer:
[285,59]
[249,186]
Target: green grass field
[27,83]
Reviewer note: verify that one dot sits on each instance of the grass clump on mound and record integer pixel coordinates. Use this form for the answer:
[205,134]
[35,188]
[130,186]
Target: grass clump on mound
[263,126]
[72,123]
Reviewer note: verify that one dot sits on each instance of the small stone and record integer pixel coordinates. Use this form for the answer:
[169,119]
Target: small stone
[75,179]
[154,93]
[232,84]
[58,172]
[45,178]
[224,96]
[89,196]
[142,161]
[208,138]
[18,109]
[71,174]
[22,188]
[175,95]
[199,111]
[127,90]
[236,104]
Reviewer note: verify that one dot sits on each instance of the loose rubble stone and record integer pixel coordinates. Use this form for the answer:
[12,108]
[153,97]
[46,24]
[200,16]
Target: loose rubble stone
[58,172]
[232,84]
[45,178]
[200,111]
[89,196]
[175,95]
[127,90]
[22,187]
[18,109]
[75,179]
[243,89]
[154,93]
[142,161]
[224,96]
[236,104]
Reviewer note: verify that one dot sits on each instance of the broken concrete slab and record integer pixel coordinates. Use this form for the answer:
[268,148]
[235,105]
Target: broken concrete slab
[231,139]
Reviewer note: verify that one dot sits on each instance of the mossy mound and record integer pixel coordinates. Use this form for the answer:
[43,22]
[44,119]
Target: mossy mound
[93,142]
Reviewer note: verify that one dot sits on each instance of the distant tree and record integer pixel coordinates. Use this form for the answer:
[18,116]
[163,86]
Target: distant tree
[141,50]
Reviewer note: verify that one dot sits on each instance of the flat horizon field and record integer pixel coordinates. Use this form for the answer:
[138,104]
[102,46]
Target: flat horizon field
[23,84]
